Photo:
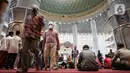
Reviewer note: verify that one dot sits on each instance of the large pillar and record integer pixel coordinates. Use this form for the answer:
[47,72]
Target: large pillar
[121,23]
[75,34]
[56,27]
[94,34]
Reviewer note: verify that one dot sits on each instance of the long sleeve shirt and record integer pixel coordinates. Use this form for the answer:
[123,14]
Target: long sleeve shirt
[123,55]
[51,37]
[87,60]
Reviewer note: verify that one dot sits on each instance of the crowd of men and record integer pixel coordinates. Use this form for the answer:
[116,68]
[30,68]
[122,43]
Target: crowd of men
[13,45]
[16,51]
[120,60]
[9,49]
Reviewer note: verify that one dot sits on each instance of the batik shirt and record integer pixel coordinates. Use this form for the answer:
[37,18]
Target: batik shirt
[33,26]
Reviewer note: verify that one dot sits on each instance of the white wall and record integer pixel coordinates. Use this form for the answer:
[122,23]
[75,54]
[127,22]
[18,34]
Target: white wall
[102,44]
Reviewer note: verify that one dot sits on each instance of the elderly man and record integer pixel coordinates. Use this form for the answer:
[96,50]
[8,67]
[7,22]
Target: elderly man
[32,32]
[51,45]
[3,6]
[87,60]
[121,59]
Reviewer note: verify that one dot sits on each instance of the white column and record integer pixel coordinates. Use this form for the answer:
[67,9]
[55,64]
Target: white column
[56,27]
[75,34]
[94,34]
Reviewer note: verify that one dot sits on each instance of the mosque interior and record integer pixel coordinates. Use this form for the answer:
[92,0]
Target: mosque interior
[100,24]
[78,22]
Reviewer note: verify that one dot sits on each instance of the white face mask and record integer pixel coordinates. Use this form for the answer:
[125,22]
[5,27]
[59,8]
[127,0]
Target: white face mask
[50,27]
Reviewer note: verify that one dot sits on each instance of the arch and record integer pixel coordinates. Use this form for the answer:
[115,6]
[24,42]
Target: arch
[16,26]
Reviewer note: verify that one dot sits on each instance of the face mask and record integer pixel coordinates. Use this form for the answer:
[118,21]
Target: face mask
[50,27]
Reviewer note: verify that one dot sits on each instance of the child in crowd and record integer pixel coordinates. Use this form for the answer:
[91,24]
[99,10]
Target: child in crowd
[107,62]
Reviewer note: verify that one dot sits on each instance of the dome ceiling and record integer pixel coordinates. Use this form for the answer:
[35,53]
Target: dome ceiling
[68,7]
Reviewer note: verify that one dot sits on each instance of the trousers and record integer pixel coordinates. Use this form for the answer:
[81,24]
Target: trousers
[29,45]
[10,60]
[50,51]
[3,58]
[119,66]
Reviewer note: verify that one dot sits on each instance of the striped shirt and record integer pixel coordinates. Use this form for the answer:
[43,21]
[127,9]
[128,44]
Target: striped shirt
[33,26]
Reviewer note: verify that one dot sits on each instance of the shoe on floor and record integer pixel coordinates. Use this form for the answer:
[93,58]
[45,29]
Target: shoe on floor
[22,71]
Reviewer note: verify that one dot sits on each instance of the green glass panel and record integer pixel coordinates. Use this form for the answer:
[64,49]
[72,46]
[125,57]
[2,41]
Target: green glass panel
[67,7]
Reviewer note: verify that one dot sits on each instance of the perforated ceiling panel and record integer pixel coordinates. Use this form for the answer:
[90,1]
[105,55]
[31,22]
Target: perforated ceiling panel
[67,7]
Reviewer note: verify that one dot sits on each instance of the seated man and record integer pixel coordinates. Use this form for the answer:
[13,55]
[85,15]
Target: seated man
[121,60]
[107,62]
[87,60]
[71,65]
[63,65]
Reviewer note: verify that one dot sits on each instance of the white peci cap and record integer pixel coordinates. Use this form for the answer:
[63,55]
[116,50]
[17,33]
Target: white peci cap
[35,7]
[50,23]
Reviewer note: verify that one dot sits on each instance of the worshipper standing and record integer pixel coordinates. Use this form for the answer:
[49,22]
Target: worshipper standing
[5,44]
[87,60]
[100,57]
[75,54]
[15,45]
[121,59]
[107,62]
[111,54]
[51,45]
[3,52]
[9,39]
[32,31]
[3,6]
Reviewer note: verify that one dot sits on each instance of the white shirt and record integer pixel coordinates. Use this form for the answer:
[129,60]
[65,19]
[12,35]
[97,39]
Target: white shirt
[15,46]
[5,43]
